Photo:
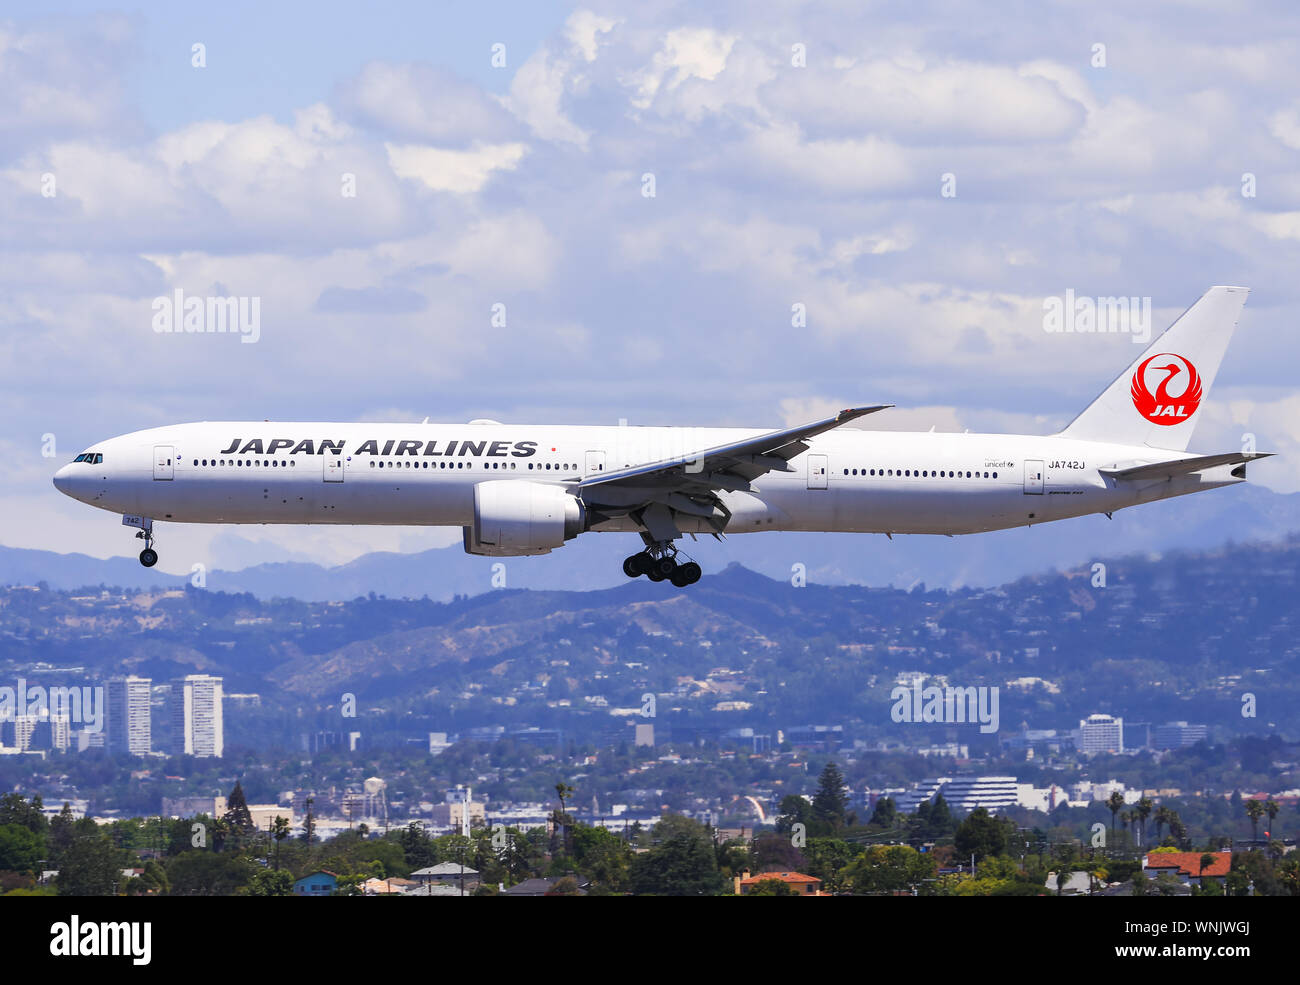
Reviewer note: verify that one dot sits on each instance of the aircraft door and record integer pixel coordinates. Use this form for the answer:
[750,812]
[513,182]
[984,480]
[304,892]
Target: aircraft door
[817,471]
[595,463]
[333,467]
[163,461]
[1033,478]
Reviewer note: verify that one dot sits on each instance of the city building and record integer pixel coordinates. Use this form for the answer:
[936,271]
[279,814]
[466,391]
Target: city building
[193,806]
[452,812]
[1101,733]
[1179,735]
[196,716]
[962,794]
[129,719]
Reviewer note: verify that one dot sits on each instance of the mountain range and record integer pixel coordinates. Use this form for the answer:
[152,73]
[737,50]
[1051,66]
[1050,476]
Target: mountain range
[1200,522]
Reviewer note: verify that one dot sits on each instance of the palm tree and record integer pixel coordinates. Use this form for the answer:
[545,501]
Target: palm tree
[1126,818]
[1162,818]
[280,830]
[1177,829]
[1115,802]
[1143,811]
[1097,875]
[1271,809]
[1254,811]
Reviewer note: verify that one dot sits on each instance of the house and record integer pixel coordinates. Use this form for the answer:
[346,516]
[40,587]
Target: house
[319,883]
[1186,866]
[447,873]
[437,889]
[386,887]
[544,887]
[802,885]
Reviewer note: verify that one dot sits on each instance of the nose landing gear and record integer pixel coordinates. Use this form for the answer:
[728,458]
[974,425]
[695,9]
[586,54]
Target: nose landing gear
[659,562]
[148,557]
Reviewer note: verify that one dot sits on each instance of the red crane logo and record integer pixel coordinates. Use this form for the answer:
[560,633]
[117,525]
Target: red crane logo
[1162,407]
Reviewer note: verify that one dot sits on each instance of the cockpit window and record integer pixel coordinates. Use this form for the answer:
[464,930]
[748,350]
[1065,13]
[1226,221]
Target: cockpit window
[80,458]
[99,460]
[90,458]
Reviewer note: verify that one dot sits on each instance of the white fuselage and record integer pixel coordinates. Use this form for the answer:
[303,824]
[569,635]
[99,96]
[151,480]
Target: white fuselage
[849,480]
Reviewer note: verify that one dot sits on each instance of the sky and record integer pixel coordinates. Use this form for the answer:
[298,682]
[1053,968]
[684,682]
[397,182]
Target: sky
[671,213]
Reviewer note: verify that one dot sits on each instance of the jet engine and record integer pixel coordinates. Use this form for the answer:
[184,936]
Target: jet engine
[513,518]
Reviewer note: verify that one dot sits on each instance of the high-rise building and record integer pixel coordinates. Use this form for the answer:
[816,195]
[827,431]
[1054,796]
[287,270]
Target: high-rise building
[129,722]
[962,794]
[1177,735]
[1101,733]
[195,713]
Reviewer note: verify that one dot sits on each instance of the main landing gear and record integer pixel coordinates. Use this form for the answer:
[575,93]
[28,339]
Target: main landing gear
[148,557]
[658,562]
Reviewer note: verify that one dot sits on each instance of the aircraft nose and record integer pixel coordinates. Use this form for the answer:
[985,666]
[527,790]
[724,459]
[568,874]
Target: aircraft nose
[62,481]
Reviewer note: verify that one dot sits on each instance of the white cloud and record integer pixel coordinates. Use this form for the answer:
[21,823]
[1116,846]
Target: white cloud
[459,171]
[585,31]
[687,53]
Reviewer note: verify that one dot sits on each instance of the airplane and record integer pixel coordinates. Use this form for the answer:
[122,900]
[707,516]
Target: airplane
[527,489]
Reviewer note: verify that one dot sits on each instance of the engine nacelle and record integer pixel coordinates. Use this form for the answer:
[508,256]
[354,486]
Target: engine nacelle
[513,518]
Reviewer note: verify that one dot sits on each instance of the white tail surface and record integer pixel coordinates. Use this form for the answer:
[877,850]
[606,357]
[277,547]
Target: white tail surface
[1158,399]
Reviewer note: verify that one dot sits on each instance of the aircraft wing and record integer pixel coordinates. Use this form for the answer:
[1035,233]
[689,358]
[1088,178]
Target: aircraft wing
[1183,466]
[689,483]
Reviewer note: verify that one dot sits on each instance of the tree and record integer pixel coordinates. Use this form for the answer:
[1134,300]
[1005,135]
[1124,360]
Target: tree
[886,812]
[150,882]
[889,868]
[1116,803]
[982,835]
[794,810]
[1271,809]
[237,815]
[561,820]
[1143,811]
[777,851]
[771,887]
[280,831]
[1162,818]
[91,866]
[826,859]
[830,805]
[1254,811]
[602,856]
[309,824]
[269,882]
[416,846]
[681,864]
[21,849]
[200,872]
[14,809]
[63,828]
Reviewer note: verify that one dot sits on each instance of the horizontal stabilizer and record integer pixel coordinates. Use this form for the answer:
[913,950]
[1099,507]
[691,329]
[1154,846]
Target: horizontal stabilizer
[1183,466]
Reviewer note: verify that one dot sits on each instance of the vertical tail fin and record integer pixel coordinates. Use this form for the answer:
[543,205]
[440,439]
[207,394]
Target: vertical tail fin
[1158,399]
